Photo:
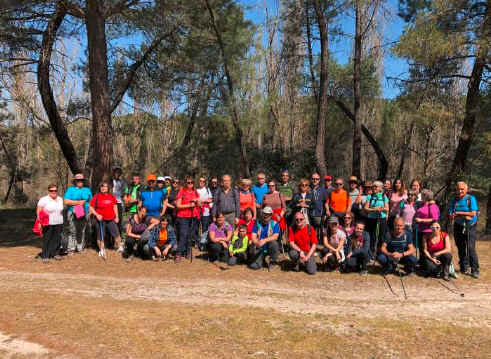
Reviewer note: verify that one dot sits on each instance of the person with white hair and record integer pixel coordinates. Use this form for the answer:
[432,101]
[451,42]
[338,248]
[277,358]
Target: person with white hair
[377,208]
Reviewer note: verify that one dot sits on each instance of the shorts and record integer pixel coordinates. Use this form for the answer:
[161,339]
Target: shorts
[111,226]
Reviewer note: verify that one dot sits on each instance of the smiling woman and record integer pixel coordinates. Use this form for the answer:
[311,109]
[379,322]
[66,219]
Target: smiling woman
[52,205]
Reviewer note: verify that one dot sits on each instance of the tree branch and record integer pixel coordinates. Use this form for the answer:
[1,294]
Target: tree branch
[118,7]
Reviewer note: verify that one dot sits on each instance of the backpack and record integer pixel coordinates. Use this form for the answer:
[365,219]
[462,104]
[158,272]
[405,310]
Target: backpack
[271,225]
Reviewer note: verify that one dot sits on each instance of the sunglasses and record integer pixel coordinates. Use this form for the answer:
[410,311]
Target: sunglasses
[347,217]
[299,219]
[151,181]
[315,179]
[435,227]
[267,214]
[304,185]
[52,190]
[339,184]
[189,182]
[334,223]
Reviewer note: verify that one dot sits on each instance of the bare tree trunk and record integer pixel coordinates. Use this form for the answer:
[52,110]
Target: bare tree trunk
[407,143]
[356,165]
[488,212]
[99,93]
[46,91]
[323,88]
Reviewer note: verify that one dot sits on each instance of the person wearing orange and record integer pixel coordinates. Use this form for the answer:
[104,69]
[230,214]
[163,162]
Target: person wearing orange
[246,197]
[338,201]
[188,213]
[166,241]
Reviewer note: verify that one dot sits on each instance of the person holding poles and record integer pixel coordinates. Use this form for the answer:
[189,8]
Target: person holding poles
[377,208]
[463,212]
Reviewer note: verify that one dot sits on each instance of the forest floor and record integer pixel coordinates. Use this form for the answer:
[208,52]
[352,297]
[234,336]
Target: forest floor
[83,307]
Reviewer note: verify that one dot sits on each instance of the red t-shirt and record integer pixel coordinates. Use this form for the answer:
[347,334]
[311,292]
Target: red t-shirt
[103,203]
[436,247]
[186,197]
[250,227]
[301,237]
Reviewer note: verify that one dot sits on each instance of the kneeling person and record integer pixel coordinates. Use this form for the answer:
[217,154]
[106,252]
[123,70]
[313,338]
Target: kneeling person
[220,233]
[166,241]
[265,241]
[138,230]
[358,250]
[303,242]
[238,246]
[398,247]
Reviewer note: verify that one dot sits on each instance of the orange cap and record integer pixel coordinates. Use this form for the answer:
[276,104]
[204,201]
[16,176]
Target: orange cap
[151,177]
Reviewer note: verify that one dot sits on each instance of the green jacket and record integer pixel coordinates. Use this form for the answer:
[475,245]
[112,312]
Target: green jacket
[237,245]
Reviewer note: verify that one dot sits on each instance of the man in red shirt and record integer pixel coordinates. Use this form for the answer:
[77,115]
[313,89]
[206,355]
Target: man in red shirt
[303,242]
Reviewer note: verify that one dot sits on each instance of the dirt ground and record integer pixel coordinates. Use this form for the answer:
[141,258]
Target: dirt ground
[83,307]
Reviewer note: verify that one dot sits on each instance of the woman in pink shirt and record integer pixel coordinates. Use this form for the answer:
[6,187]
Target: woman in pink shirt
[408,210]
[426,214]
[398,194]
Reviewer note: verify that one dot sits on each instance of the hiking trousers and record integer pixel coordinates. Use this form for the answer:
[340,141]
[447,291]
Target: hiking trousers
[216,251]
[433,269]
[357,262]
[75,233]
[310,266]
[258,255]
[465,239]
[51,240]
[389,264]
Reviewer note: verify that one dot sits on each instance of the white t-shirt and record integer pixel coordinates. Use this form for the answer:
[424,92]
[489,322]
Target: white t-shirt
[53,207]
[205,194]
[337,237]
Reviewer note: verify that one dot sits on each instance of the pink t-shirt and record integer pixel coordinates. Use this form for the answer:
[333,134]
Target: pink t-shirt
[395,203]
[408,213]
[427,211]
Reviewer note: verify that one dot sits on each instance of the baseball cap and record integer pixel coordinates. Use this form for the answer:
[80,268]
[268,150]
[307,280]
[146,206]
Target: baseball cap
[151,177]
[333,219]
[327,177]
[268,210]
[160,179]
[353,179]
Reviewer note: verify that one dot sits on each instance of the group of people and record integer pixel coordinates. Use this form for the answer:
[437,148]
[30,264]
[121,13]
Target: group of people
[344,228]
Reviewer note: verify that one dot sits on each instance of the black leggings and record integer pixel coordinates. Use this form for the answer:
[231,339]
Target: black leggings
[51,240]
[433,269]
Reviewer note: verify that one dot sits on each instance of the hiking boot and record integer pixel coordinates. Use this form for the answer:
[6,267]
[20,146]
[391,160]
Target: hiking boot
[388,271]
[475,275]
[297,267]
[466,271]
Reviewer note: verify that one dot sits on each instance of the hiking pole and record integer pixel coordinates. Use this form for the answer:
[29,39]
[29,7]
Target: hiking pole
[450,289]
[101,233]
[388,284]
[402,283]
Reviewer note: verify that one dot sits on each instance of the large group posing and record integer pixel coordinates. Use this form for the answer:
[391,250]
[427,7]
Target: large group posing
[319,226]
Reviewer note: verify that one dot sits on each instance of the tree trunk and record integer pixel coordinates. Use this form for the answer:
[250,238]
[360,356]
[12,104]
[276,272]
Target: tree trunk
[407,143]
[323,88]
[46,92]
[488,212]
[356,165]
[99,93]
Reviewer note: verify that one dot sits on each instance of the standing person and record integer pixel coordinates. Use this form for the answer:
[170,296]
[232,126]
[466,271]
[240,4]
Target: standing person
[188,214]
[138,230]
[161,186]
[416,187]
[398,247]
[153,198]
[77,199]
[303,200]
[338,201]
[408,211]
[259,190]
[398,195]
[265,241]
[227,201]
[334,240]
[319,194]
[438,252]
[353,188]
[168,184]
[52,205]
[287,190]
[105,208]
[328,184]
[220,234]
[246,197]
[275,200]
[303,243]
[213,185]
[425,214]
[238,246]
[206,198]
[357,250]
[171,201]
[359,203]
[132,194]
[463,211]
[119,189]
[376,207]
[388,188]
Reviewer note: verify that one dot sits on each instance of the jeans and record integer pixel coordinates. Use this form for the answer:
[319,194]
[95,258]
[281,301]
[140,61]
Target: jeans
[316,222]
[465,239]
[205,223]
[357,262]
[388,262]
[187,228]
[310,266]
[120,216]
[258,255]
[433,269]
[75,232]
[51,240]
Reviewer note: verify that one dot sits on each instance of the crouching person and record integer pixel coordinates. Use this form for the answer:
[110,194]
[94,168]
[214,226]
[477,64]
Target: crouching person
[334,240]
[303,242]
[438,252]
[398,247]
[265,242]
[358,250]
[238,246]
[137,232]
[220,233]
[165,243]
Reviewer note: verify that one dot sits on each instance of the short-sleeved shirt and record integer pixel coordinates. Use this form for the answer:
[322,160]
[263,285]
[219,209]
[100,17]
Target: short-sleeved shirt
[205,195]
[74,193]
[186,197]
[259,192]
[139,228]
[221,232]
[339,201]
[103,203]
[52,207]
[301,237]
[286,190]
[152,200]
[246,199]
[398,244]
[336,237]
[377,200]
[262,230]
[428,211]
[468,203]
[133,191]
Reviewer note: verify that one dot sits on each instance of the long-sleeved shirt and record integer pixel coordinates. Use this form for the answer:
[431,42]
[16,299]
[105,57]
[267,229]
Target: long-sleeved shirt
[226,202]
[238,245]
[365,246]
[319,195]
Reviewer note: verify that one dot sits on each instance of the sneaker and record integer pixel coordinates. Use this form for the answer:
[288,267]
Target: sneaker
[121,249]
[155,259]
[364,272]
[57,258]
[45,260]
[475,275]
[178,259]
[129,259]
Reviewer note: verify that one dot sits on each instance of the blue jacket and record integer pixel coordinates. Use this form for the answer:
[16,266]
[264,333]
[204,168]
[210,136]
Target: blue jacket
[171,237]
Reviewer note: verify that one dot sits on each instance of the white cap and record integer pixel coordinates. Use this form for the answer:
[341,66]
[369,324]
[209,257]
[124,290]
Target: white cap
[160,179]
